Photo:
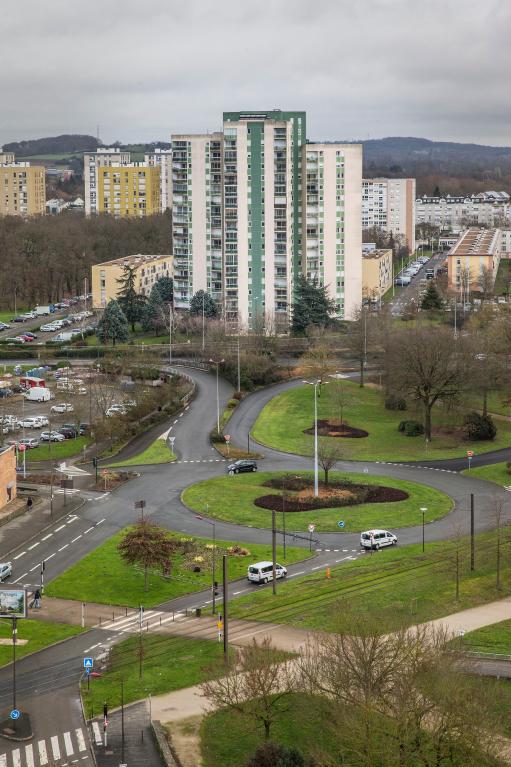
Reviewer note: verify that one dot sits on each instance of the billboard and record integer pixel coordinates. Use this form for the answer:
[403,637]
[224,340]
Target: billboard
[13,602]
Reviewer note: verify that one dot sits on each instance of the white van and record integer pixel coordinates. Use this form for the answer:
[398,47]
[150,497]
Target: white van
[38,394]
[377,539]
[262,572]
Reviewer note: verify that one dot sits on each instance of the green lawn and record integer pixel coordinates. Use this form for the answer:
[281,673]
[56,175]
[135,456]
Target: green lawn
[7,315]
[498,403]
[232,499]
[39,634]
[390,588]
[228,739]
[57,450]
[168,663]
[494,472]
[158,452]
[492,639]
[282,422]
[503,278]
[102,576]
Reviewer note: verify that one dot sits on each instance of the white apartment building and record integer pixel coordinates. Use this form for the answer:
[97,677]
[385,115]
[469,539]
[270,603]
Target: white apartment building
[102,158]
[485,209]
[389,204]
[331,216]
[162,158]
[197,223]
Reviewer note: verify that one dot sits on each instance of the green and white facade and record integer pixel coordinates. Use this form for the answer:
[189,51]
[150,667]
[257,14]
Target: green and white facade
[239,209]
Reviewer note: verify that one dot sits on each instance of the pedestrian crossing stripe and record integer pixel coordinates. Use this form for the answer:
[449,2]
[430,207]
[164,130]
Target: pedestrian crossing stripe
[55,749]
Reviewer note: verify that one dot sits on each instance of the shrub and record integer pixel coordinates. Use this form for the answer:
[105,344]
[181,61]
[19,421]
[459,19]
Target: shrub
[232,403]
[411,428]
[394,402]
[274,755]
[508,467]
[479,427]
[217,436]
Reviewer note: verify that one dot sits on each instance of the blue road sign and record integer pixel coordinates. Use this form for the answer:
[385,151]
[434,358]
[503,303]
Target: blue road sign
[341,524]
[88,662]
[15,714]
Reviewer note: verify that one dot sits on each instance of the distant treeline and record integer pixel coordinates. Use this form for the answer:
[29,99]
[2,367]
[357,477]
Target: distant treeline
[53,145]
[46,258]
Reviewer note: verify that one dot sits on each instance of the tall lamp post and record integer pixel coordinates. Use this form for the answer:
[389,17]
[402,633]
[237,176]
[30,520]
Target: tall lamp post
[209,522]
[316,466]
[423,510]
[217,363]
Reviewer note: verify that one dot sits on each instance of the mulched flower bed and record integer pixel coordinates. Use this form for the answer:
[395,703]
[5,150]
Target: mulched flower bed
[334,495]
[332,427]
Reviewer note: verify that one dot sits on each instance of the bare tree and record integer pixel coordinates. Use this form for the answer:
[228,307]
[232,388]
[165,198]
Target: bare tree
[423,364]
[318,362]
[361,336]
[486,282]
[340,396]
[498,511]
[329,452]
[255,686]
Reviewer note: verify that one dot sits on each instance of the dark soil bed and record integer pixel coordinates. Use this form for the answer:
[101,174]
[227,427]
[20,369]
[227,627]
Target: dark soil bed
[331,496]
[332,427]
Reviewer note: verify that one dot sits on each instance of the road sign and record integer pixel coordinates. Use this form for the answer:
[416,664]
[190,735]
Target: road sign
[139,504]
[470,453]
[311,527]
[227,437]
[88,662]
[15,714]
[340,523]
[172,440]
[22,448]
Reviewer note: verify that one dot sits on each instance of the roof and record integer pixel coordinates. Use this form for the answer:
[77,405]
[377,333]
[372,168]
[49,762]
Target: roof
[476,242]
[134,260]
[381,253]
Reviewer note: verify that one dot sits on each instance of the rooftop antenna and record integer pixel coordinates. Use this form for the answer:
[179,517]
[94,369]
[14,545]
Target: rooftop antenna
[97,133]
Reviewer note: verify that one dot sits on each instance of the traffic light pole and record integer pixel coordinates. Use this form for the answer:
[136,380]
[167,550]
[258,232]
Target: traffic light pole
[472,534]
[226,610]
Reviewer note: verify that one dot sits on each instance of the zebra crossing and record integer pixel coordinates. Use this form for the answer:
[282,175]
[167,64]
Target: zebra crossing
[150,619]
[63,749]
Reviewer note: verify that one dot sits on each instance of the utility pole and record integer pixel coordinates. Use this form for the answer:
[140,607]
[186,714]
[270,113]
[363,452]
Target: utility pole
[226,609]
[170,334]
[274,552]
[14,632]
[122,721]
[217,363]
[203,321]
[472,534]
[239,370]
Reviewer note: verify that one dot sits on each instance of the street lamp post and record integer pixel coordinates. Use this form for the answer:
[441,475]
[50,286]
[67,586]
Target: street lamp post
[213,590]
[217,363]
[203,320]
[170,334]
[316,465]
[423,510]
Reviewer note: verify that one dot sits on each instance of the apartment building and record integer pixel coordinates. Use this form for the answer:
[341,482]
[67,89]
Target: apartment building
[331,215]
[476,254]
[197,216]
[7,158]
[162,159]
[485,209]
[376,273]
[389,204]
[22,189]
[131,190]
[92,162]
[148,269]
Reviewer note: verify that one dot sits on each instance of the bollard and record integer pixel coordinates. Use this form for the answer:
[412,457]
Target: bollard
[113,616]
[160,620]
[100,620]
[126,612]
[173,616]
[328,573]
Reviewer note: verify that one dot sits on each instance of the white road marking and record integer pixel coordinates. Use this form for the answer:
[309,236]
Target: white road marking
[34,545]
[64,547]
[33,568]
[19,555]
[55,747]
[20,578]
[318,567]
[59,528]
[80,739]
[88,530]
[71,520]
[3,760]
[91,648]
[29,756]
[47,536]
[16,758]
[234,593]
[100,521]
[77,538]
[51,555]
[97,734]
[68,743]
[301,572]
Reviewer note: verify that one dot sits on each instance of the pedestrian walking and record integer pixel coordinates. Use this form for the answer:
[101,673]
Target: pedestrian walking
[30,503]
[37,599]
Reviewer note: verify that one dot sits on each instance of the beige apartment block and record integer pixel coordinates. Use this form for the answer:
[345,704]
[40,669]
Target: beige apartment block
[389,204]
[6,158]
[331,216]
[22,189]
[477,252]
[376,273]
[148,269]
[7,475]
[92,161]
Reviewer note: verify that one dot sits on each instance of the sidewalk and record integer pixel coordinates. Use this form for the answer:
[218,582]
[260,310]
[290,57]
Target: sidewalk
[475,617]
[70,611]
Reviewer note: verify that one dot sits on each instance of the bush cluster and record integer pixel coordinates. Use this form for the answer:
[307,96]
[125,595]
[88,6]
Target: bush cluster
[411,428]
[479,427]
[394,402]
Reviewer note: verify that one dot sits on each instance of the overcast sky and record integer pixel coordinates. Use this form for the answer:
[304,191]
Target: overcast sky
[360,68]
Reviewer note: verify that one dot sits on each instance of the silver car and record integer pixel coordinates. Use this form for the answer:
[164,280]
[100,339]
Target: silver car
[5,570]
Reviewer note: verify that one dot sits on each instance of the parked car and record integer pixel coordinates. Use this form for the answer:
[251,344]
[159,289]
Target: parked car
[377,539]
[5,570]
[243,464]
[262,572]
[51,436]
[31,422]
[68,432]
[84,429]
[4,325]
[64,407]
[18,318]
[5,392]
[116,410]
[28,334]
[15,340]
[29,442]
[43,420]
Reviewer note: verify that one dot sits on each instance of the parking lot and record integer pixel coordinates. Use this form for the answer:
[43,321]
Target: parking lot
[413,290]
[70,316]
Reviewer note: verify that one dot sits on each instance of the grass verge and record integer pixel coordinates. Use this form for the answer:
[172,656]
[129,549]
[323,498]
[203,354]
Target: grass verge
[58,450]
[282,422]
[102,576]
[158,452]
[491,639]
[495,472]
[39,634]
[168,663]
[391,588]
[231,498]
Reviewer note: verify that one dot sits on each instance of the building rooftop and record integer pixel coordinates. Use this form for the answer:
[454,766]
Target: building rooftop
[476,242]
[376,253]
[134,260]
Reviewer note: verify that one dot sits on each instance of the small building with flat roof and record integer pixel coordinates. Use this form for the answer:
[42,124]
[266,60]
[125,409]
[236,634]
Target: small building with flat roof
[376,272]
[474,260]
[148,269]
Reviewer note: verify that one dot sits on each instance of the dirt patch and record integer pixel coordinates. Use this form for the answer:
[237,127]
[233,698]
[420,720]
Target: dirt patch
[184,737]
[330,496]
[109,480]
[332,427]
